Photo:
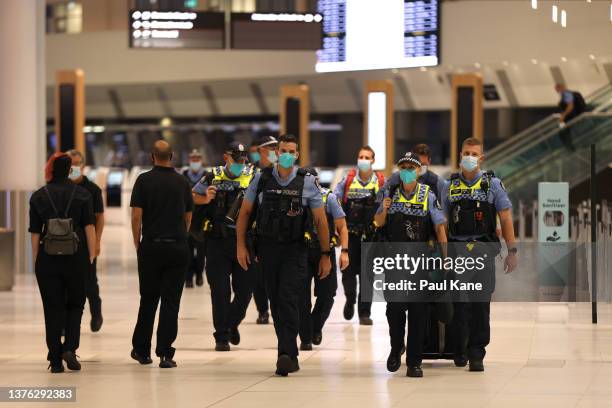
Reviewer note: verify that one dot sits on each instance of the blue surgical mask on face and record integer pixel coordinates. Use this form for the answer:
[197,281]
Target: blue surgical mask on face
[272,158]
[236,168]
[195,166]
[469,163]
[286,160]
[255,157]
[364,165]
[408,175]
[75,172]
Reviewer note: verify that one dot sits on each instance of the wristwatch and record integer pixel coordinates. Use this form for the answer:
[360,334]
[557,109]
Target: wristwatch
[344,250]
[513,250]
[326,253]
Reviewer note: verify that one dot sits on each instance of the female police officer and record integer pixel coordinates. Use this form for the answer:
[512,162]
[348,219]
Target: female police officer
[61,223]
[410,213]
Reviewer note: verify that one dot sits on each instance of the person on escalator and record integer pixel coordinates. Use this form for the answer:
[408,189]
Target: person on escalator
[571,105]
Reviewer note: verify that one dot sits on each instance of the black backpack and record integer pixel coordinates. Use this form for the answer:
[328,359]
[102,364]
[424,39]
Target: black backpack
[580,105]
[60,238]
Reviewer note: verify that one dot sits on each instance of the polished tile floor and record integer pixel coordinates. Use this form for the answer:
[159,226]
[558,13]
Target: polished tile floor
[546,355]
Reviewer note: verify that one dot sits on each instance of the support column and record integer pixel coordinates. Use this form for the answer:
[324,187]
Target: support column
[466,112]
[378,123]
[295,115]
[22,121]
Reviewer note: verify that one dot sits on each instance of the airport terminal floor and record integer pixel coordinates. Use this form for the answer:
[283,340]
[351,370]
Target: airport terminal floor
[541,355]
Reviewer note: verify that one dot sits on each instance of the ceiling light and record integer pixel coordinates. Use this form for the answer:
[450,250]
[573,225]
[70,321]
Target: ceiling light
[563,59]
[534,4]
[555,13]
[477,64]
[534,61]
[423,69]
[563,18]
[591,56]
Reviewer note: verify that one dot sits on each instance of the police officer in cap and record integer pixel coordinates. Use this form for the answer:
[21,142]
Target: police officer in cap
[262,155]
[283,195]
[312,319]
[194,173]
[222,190]
[409,212]
[471,200]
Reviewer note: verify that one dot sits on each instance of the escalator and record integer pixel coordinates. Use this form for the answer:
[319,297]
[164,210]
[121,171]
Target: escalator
[598,102]
[549,157]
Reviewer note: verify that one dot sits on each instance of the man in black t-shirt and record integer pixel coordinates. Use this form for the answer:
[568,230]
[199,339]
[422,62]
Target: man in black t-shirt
[93,290]
[161,214]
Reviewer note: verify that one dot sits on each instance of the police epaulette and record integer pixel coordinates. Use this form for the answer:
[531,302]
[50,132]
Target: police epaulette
[490,173]
[454,176]
[302,172]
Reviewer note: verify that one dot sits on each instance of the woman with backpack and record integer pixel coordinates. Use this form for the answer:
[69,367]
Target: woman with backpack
[63,242]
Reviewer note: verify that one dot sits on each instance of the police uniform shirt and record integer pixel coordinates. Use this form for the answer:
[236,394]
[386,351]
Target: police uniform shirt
[96,194]
[311,194]
[339,190]
[435,211]
[194,177]
[201,187]
[435,182]
[164,196]
[333,207]
[41,210]
[497,195]
[567,97]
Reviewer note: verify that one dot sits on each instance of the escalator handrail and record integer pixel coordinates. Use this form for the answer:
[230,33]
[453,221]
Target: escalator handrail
[521,148]
[502,148]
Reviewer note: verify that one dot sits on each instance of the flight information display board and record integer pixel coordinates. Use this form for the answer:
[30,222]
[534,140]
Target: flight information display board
[177,29]
[361,35]
[276,31]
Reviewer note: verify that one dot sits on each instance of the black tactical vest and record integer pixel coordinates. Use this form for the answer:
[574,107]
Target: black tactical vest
[281,216]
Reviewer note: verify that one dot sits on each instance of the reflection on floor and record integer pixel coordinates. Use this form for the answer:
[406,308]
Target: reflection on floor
[541,355]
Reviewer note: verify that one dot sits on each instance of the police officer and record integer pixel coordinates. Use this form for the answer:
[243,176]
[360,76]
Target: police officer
[197,245]
[409,213]
[61,278]
[471,199]
[93,290]
[357,192]
[283,194]
[312,319]
[222,190]
[426,176]
[262,155]
[161,213]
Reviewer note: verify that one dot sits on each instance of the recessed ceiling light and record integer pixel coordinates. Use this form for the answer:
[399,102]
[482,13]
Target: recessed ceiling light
[477,64]
[591,56]
[534,4]
[534,61]
[563,59]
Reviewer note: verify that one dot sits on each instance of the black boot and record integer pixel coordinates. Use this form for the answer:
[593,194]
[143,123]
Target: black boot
[476,365]
[394,361]
[306,346]
[286,365]
[222,346]
[140,358]
[415,372]
[460,360]
[349,310]
[234,336]
[56,367]
[166,362]
[199,280]
[96,322]
[317,338]
[71,360]
[264,318]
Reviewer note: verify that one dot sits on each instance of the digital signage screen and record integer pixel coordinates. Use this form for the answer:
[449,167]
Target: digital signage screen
[177,29]
[362,35]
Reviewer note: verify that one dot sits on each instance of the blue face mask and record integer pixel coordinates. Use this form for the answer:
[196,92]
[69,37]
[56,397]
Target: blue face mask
[286,160]
[364,165]
[75,172]
[408,175]
[272,158]
[469,163]
[195,166]
[255,157]
[236,168]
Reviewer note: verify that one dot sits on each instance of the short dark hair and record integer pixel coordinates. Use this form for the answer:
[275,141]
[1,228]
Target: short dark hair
[422,150]
[472,141]
[288,138]
[368,149]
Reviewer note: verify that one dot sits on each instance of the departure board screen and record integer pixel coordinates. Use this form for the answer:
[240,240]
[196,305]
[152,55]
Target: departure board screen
[177,29]
[362,35]
[276,31]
